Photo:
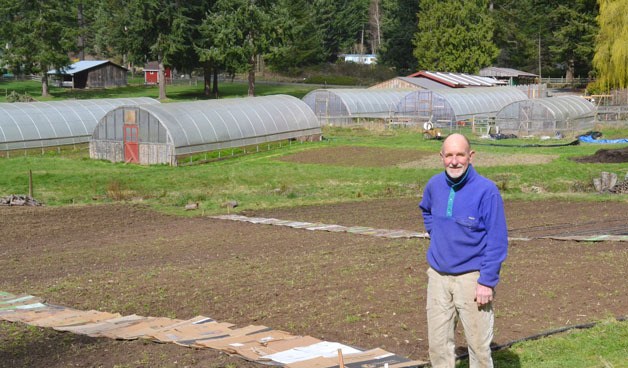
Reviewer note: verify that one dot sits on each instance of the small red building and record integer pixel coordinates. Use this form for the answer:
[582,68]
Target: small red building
[151,73]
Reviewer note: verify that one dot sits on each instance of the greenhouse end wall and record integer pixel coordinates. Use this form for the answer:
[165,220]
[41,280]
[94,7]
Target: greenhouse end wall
[565,115]
[353,105]
[149,153]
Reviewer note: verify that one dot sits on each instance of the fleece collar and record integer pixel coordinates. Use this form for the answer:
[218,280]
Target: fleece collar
[456,185]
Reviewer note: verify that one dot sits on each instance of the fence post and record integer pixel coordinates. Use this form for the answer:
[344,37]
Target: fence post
[30,183]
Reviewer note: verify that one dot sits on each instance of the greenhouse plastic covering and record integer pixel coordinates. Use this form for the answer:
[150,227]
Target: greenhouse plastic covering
[547,114]
[48,124]
[354,102]
[455,104]
[202,126]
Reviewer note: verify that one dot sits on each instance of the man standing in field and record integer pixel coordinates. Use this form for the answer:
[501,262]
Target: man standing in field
[464,215]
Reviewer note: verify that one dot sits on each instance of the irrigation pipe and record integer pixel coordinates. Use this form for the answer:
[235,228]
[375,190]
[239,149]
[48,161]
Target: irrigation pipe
[574,143]
[535,337]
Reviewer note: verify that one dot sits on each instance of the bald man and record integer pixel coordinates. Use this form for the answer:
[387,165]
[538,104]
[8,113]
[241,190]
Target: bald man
[464,215]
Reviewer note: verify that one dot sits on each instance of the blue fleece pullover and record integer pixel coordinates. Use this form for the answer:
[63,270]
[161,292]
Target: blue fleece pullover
[467,226]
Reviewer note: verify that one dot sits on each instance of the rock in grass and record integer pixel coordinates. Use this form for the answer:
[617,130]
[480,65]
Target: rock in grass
[191,206]
[230,204]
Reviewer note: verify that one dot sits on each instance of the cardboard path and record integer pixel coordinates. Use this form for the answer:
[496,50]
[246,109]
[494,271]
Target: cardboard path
[260,344]
[392,234]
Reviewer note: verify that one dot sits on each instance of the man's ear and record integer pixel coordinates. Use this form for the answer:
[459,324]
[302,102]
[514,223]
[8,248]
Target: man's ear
[471,153]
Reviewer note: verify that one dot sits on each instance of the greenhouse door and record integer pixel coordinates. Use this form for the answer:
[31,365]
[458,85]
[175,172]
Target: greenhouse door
[131,145]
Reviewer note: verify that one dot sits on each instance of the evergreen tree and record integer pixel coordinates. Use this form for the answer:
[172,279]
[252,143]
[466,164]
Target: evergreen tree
[164,26]
[113,36]
[573,45]
[145,30]
[209,56]
[399,24]
[37,35]
[343,24]
[611,51]
[516,34]
[240,30]
[296,42]
[85,17]
[454,35]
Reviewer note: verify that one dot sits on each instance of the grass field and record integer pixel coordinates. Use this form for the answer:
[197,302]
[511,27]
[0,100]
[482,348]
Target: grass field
[260,180]
[179,92]
[266,180]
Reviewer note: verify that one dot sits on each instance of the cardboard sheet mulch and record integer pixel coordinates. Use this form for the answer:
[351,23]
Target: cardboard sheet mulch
[256,343]
[391,233]
[326,227]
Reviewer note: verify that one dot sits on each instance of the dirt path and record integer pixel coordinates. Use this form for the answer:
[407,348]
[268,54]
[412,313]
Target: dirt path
[353,289]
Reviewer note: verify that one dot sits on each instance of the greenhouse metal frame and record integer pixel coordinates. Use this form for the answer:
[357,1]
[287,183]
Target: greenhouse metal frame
[565,114]
[28,125]
[347,106]
[445,106]
[156,134]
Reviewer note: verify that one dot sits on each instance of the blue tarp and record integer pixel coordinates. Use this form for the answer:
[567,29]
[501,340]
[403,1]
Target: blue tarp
[590,139]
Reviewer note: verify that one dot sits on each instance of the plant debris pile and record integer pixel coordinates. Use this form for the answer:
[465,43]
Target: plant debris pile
[18,200]
[620,188]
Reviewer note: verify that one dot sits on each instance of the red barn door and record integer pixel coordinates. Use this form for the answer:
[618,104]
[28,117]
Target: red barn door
[131,145]
[130,137]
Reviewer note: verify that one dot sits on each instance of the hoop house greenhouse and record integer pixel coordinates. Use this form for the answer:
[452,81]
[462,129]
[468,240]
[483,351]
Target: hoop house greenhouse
[448,105]
[155,134]
[546,116]
[49,124]
[347,106]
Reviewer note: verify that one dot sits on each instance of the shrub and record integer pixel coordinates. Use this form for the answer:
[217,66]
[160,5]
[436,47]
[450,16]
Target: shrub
[16,97]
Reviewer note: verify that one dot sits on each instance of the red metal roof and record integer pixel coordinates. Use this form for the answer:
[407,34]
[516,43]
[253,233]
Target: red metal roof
[456,80]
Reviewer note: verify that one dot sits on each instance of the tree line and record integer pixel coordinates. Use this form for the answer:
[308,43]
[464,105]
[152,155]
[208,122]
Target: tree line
[568,38]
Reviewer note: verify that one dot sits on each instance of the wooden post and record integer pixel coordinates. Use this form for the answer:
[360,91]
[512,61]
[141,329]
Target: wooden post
[341,362]
[30,183]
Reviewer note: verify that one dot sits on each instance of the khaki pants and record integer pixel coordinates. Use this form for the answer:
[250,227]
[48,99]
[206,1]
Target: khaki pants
[450,297]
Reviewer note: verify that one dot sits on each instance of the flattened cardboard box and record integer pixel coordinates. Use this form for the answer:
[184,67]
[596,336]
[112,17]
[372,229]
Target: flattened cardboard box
[237,344]
[258,349]
[141,329]
[248,330]
[215,331]
[70,317]
[98,328]
[26,315]
[94,317]
[370,358]
[192,332]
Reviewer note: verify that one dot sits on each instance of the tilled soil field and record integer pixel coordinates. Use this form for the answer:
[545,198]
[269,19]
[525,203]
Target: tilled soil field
[355,289]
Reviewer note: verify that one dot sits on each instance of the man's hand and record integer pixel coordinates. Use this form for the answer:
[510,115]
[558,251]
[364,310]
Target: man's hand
[483,295]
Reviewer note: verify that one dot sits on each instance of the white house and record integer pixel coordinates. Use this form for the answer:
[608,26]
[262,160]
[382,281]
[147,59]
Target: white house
[360,58]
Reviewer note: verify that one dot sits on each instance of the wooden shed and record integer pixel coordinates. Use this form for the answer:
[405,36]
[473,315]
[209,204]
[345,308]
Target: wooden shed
[91,74]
